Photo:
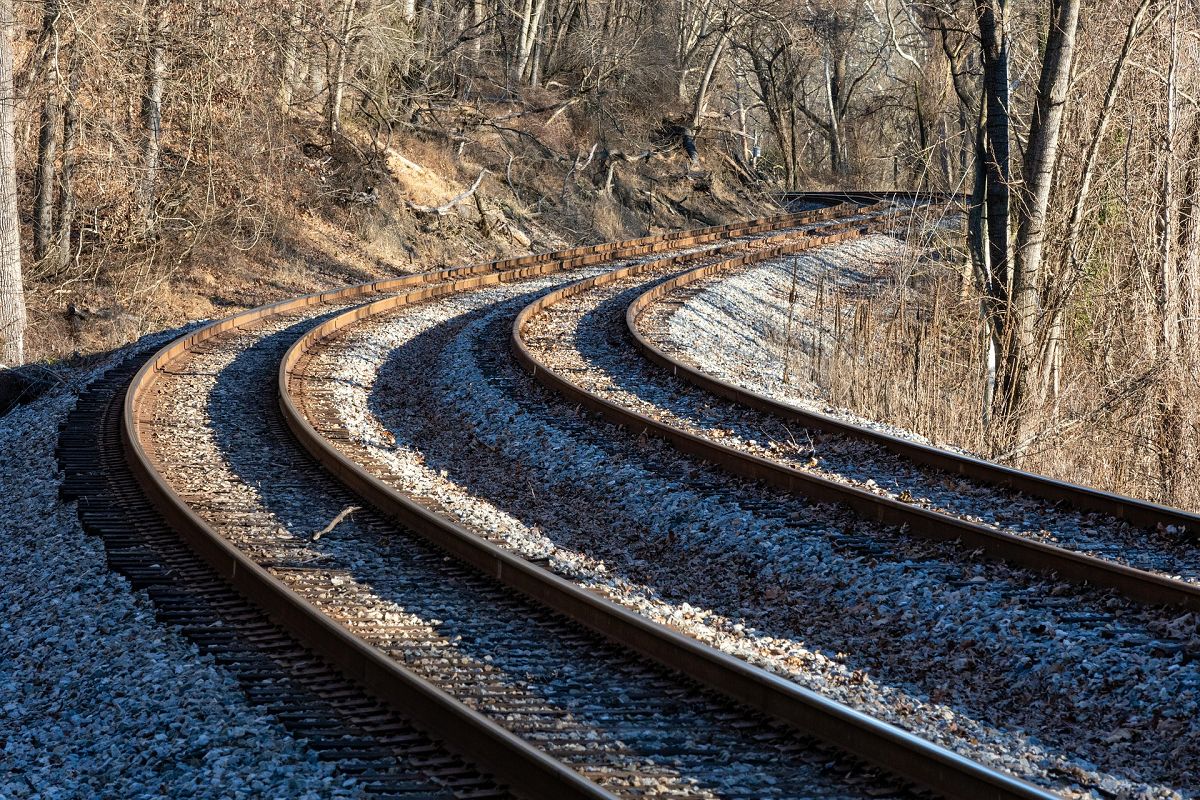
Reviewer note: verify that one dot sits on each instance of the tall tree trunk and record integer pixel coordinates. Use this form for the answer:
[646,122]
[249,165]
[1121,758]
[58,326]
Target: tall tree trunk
[1168,288]
[288,70]
[478,15]
[66,177]
[977,238]
[152,99]
[833,129]
[531,23]
[12,293]
[793,146]
[993,191]
[43,176]
[701,101]
[337,81]
[1041,157]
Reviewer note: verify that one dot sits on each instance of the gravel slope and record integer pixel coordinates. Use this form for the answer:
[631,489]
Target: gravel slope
[97,699]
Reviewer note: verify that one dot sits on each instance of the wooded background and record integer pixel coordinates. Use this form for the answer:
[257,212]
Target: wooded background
[148,148]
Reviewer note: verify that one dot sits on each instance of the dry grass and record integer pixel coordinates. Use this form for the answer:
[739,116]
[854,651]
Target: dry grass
[252,226]
[909,352]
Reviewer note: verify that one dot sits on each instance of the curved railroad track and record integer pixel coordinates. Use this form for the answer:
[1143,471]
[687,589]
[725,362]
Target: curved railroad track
[1150,577]
[234,434]
[570,341]
[1151,553]
[178,382]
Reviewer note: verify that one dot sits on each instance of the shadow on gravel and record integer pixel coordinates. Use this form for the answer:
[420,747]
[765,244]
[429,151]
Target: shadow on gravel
[905,640]
[546,666]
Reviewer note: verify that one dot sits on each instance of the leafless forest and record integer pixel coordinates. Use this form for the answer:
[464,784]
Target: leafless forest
[162,161]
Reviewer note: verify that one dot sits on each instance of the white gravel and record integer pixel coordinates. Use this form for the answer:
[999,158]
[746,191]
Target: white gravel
[733,321]
[96,697]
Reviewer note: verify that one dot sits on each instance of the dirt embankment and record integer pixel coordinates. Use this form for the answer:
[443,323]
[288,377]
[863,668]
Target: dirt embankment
[367,207]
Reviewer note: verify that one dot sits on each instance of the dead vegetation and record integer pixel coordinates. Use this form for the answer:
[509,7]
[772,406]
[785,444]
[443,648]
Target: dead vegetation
[905,347]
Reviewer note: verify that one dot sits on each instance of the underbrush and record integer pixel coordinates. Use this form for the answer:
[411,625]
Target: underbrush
[906,348]
[253,219]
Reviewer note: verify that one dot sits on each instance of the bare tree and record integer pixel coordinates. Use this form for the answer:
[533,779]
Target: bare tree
[343,37]
[154,16]
[70,155]
[12,293]
[44,175]
[991,198]
[291,38]
[1041,159]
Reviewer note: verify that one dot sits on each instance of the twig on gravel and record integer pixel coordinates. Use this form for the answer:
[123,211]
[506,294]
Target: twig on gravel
[347,511]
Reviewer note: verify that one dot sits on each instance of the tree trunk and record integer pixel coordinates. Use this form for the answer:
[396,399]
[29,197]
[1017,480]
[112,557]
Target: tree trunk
[478,15]
[1168,288]
[66,177]
[152,110]
[994,167]
[833,130]
[12,293]
[701,101]
[288,70]
[794,161]
[43,176]
[531,23]
[1041,157]
[337,81]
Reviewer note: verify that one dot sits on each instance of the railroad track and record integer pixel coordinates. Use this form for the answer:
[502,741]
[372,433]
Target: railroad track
[457,660]
[1144,565]
[1148,552]
[226,492]
[373,480]
[369,742]
[643,404]
[574,341]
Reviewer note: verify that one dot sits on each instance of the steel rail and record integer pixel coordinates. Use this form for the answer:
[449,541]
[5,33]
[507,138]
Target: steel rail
[1139,512]
[508,757]
[482,741]
[1131,582]
[897,751]
[1135,584]
[1138,584]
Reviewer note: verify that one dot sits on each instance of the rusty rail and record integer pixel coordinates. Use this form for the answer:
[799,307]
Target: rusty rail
[1134,583]
[511,759]
[875,742]
[1138,512]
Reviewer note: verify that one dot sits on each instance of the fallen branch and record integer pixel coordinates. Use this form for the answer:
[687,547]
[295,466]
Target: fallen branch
[576,167]
[347,511]
[443,210]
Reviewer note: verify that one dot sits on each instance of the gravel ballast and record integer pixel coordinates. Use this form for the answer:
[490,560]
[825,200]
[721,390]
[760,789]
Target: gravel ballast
[616,719]
[1076,690]
[728,325]
[98,699]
